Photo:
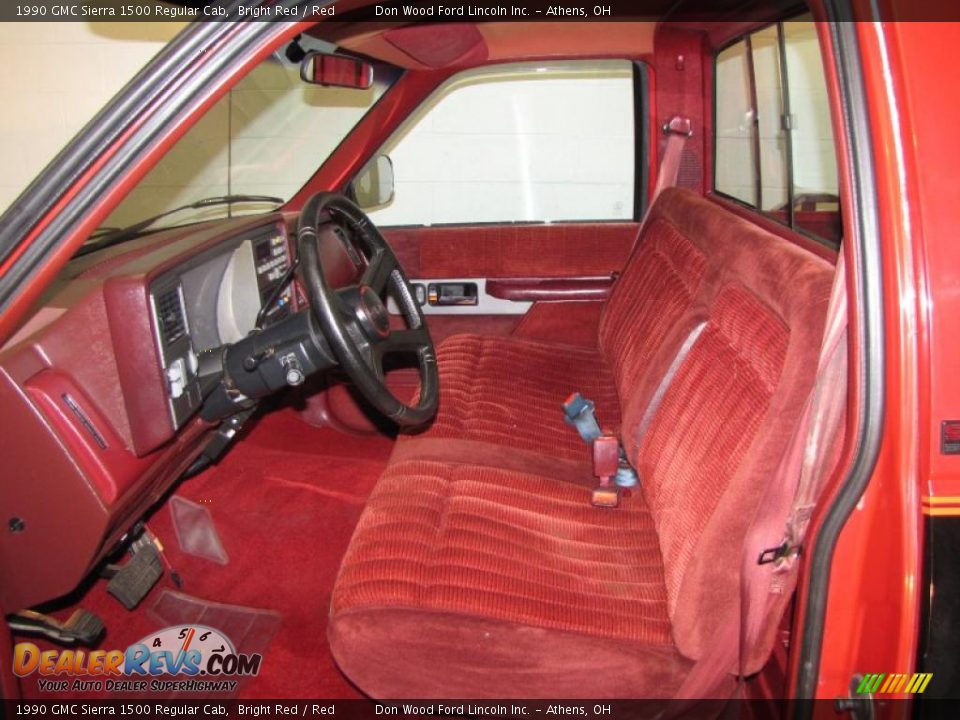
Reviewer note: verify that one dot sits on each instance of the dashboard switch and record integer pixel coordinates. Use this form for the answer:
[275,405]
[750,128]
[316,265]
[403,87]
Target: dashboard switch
[177,377]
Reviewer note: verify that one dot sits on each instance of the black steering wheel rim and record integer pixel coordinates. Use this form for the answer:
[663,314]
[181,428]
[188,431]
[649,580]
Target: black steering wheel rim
[354,319]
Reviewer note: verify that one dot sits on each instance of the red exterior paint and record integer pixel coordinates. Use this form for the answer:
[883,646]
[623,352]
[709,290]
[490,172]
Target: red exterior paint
[916,166]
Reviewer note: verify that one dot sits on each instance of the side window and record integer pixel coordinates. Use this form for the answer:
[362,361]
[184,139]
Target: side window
[774,140]
[520,143]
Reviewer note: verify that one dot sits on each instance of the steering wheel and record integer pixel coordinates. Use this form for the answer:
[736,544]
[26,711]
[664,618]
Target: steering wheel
[355,319]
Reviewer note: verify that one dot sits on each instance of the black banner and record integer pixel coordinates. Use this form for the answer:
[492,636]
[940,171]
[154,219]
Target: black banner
[420,11]
[426,709]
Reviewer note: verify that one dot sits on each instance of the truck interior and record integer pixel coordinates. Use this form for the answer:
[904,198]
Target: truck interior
[346,417]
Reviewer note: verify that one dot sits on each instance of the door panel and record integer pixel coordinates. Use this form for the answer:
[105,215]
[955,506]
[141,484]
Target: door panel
[513,251]
[527,269]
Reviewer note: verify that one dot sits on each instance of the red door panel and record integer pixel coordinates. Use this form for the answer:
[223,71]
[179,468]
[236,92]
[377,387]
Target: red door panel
[513,251]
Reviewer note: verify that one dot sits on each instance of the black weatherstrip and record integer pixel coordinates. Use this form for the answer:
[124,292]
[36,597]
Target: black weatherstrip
[641,148]
[869,303]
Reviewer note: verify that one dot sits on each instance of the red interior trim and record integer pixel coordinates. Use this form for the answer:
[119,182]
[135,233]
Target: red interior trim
[568,288]
[772,226]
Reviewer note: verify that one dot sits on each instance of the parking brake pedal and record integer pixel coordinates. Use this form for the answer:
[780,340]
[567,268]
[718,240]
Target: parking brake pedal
[131,582]
[82,627]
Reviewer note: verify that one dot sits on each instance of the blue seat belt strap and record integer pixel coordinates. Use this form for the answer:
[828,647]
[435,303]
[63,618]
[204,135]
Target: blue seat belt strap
[581,414]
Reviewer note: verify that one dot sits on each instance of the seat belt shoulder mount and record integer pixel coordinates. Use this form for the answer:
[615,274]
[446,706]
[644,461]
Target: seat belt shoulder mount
[678,126]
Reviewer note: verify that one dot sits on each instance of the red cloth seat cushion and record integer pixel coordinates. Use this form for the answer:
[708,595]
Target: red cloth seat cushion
[509,392]
[474,581]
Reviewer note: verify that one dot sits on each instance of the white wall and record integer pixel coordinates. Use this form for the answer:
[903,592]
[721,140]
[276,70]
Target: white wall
[814,148]
[532,146]
[521,143]
[55,77]
[734,126]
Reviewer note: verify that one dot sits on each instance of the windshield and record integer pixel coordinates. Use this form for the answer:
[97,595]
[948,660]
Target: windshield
[266,137]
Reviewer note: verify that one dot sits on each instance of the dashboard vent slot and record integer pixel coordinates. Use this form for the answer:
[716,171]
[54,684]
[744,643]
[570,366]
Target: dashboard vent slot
[173,324]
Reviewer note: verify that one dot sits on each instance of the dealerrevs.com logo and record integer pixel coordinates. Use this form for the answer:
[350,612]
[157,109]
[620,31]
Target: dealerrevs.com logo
[204,655]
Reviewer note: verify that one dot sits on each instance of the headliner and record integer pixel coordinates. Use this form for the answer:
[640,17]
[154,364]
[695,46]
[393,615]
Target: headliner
[457,44]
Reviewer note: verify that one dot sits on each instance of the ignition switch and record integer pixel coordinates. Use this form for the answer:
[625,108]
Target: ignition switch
[294,373]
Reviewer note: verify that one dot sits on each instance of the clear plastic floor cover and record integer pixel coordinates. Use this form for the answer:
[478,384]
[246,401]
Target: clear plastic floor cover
[195,530]
[250,629]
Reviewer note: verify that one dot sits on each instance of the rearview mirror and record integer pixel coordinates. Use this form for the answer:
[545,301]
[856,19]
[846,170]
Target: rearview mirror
[373,187]
[320,68]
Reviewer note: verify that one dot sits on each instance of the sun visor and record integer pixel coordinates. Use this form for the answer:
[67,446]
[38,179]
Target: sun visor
[457,44]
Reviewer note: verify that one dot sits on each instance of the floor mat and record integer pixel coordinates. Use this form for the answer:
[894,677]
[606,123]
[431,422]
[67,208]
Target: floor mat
[284,502]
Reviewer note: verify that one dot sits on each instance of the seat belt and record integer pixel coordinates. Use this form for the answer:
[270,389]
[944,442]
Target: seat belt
[678,131]
[581,414]
[610,464]
[768,576]
[666,381]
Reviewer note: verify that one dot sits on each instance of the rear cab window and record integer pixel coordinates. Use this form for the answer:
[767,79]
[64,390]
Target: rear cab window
[774,144]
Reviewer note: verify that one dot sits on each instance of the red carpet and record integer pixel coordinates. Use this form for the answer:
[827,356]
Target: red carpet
[285,501]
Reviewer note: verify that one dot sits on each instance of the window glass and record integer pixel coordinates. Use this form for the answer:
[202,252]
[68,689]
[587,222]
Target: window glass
[736,170]
[816,195]
[267,136]
[522,143]
[774,140]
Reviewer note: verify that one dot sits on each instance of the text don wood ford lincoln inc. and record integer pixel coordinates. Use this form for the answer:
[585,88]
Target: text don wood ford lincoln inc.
[191,658]
[551,12]
[495,709]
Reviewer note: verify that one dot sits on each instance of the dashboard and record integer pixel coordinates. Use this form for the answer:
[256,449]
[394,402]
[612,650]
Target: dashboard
[214,299]
[100,392]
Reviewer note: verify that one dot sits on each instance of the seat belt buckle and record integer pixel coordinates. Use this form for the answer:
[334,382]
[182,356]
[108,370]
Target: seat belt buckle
[606,456]
[610,462]
[606,464]
[581,414]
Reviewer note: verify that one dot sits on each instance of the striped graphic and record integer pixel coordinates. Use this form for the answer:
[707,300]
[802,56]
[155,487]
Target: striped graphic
[942,505]
[893,683]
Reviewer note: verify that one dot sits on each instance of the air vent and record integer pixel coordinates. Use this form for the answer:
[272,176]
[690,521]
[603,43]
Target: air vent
[173,324]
